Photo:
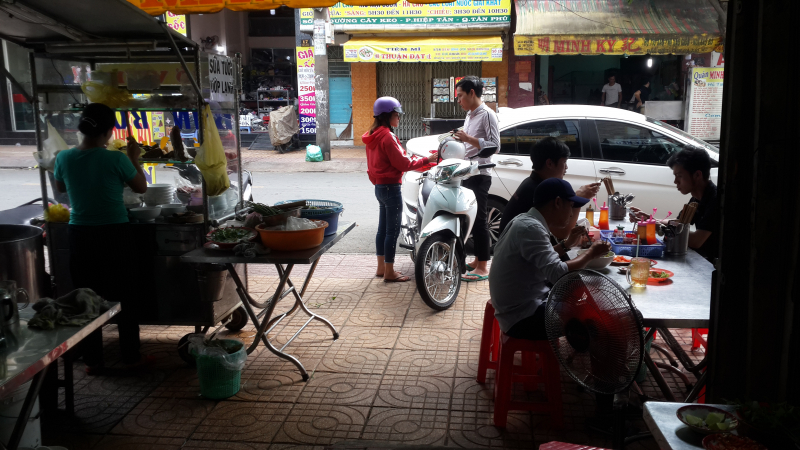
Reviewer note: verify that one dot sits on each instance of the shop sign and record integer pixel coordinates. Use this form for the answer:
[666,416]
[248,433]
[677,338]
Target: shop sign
[614,45]
[307,101]
[220,78]
[704,111]
[412,52]
[405,13]
[177,22]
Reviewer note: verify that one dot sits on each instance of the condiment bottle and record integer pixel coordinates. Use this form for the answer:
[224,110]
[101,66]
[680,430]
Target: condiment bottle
[651,232]
[619,232]
[590,215]
[641,232]
[603,222]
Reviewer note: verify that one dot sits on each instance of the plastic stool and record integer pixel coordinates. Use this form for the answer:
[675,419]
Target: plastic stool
[490,343]
[548,372]
[697,338]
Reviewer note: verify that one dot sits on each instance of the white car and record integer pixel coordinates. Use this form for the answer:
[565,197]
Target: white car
[629,147]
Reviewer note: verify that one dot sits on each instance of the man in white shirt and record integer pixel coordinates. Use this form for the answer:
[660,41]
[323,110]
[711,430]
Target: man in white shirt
[612,93]
[526,265]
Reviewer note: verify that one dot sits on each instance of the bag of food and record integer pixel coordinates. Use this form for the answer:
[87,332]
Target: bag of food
[313,153]
[50,148]
[210,157]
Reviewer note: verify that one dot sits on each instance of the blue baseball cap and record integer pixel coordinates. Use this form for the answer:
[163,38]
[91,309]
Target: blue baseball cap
[553,188]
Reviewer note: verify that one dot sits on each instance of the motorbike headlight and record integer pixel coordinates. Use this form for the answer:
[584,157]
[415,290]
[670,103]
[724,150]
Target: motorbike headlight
[446,172]
[462,171]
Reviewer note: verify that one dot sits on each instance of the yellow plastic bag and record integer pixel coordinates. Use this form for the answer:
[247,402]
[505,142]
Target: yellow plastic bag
[110,96]
[210,157]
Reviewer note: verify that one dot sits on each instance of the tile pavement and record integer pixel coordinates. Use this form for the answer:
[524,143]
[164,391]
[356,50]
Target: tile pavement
[400,374]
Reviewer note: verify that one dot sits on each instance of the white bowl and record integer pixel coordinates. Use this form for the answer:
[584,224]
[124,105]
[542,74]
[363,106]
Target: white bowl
[172,208]
[598,263]
[146,213]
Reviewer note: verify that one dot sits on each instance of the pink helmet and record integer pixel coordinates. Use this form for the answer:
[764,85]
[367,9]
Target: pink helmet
[386,105]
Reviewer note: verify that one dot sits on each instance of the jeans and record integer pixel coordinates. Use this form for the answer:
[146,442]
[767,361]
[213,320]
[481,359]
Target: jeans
[106,269]
[391,208]
[480,185]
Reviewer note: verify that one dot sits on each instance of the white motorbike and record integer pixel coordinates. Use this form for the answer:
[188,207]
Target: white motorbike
[438,215]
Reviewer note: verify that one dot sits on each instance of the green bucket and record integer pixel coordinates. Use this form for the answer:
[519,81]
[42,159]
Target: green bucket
[218,382]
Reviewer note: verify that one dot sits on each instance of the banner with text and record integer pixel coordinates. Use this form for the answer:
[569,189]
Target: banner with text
[220,78]
[177,22]
[614,45]
[307,101]
[704,112]
[405,13]
[427,49]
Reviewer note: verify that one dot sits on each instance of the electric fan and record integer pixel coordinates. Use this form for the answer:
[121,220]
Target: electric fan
[596,334]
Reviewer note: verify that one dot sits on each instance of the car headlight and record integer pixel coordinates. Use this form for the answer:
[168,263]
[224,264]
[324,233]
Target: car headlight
[446,172]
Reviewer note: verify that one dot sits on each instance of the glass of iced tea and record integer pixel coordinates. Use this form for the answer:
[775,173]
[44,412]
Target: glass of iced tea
[639,272]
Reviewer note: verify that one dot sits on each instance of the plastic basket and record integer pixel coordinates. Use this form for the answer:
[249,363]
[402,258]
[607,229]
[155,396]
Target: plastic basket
[331,218]
[216,381]
[646,251]
[325,207]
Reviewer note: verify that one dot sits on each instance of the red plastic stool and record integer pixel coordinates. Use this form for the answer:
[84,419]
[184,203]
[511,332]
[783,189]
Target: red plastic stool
[697,338]
[547,371]
[490,343]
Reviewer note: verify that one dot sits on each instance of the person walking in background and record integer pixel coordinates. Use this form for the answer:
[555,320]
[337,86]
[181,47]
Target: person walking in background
[386,162]
[640,97]
[480,131]
[612,93]
[541,97]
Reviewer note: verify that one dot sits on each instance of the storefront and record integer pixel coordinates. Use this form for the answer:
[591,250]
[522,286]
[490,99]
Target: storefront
[415,53]
[579,48]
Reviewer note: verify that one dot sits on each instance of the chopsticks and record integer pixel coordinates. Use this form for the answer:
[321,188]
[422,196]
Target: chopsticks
[688,212]
[609,185]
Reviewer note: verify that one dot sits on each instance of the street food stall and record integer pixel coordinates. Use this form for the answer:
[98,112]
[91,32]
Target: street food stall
[172,98]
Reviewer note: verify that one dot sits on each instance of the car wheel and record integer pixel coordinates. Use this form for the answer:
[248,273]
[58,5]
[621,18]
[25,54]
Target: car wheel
[494,215]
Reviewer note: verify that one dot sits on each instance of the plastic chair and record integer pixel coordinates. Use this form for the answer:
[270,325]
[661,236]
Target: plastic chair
[697,339]
[547,372]
[490,343]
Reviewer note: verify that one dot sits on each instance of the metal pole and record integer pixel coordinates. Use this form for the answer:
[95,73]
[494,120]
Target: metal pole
[321,86]
[177,50]
[237,81]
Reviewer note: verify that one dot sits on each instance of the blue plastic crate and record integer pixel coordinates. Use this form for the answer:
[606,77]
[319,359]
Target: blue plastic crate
[646,251]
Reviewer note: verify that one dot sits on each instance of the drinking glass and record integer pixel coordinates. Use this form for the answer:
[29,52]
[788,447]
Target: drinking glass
[639,272]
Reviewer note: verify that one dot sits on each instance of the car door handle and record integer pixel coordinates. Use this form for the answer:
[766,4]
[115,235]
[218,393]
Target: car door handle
[614,170]
[509,162]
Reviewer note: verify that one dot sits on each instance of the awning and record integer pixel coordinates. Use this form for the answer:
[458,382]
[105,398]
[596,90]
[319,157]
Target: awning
[424,49]
[158,7]
[615,27]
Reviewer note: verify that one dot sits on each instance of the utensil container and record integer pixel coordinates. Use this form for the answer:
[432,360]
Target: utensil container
[676,238]
[615,210]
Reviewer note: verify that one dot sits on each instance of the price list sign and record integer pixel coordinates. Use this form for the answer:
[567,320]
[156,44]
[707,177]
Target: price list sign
[306,95]
[704,118]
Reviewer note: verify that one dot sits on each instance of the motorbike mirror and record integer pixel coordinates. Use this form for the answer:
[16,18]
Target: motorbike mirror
[487,152]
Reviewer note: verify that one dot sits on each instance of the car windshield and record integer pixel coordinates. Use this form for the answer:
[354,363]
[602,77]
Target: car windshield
[698,142]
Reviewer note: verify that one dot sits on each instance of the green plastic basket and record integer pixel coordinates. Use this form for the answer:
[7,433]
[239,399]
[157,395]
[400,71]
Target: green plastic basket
[216,381]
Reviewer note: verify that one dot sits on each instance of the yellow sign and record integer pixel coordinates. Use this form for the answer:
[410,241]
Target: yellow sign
[405,13]
[614,45]
[424,49]
[177,22]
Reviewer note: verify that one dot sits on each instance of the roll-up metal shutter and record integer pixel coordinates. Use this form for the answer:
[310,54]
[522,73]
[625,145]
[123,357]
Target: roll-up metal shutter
[407,83]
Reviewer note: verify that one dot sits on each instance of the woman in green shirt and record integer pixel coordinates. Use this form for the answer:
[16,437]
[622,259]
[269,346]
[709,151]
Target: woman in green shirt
[99,231]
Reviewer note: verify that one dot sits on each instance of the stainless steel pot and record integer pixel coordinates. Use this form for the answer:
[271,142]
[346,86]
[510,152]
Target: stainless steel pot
[616,207]
[676,238]
[22,259]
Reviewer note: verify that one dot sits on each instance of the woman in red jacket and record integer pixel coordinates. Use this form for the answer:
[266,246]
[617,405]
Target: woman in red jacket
[386,162]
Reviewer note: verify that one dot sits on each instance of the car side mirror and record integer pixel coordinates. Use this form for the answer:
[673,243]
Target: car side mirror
[487,152]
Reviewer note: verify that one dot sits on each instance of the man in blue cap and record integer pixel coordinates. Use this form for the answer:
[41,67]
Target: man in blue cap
[525,265]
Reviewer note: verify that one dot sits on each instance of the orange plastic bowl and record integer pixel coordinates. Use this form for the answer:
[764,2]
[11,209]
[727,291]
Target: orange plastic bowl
[287,241]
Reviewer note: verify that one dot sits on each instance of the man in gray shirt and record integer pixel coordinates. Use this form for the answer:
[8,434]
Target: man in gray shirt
[526,265]
[480,131]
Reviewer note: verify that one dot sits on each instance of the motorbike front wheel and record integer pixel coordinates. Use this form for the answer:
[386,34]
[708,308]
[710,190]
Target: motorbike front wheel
[438,280]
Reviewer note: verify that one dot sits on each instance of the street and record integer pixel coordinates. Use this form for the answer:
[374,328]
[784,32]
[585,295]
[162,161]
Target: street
[18,186]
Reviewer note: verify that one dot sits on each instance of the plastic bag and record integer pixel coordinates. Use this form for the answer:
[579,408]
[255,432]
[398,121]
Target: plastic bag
[228,352]
[112,97]
[253,219]
[210,157]
[299,223]
[313,153]
[50,148]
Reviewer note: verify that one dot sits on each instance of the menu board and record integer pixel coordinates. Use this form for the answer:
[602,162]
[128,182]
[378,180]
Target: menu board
[306,91]
[704,112]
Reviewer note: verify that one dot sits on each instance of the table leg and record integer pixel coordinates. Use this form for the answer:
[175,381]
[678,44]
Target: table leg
[651,366]
[299,302]
[27,407]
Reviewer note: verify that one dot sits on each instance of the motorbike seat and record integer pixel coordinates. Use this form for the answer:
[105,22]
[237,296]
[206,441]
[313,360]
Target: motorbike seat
[427,187]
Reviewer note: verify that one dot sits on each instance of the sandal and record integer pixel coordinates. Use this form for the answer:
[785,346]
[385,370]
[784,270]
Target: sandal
[381,276]
[469,268]
[476,277]
[400,279]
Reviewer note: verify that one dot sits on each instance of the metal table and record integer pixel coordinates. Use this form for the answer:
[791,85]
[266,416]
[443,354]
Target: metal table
[682,302]
[284,262]
[29,352]
[669,432]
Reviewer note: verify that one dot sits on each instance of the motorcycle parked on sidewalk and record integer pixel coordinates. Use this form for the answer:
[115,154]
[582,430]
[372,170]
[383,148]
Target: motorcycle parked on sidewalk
[436,224]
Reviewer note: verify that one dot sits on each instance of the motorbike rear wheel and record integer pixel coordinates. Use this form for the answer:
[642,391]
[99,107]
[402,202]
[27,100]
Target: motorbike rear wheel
[438,281]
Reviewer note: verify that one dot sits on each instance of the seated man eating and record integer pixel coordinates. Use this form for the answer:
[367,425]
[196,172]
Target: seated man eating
[525,265]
